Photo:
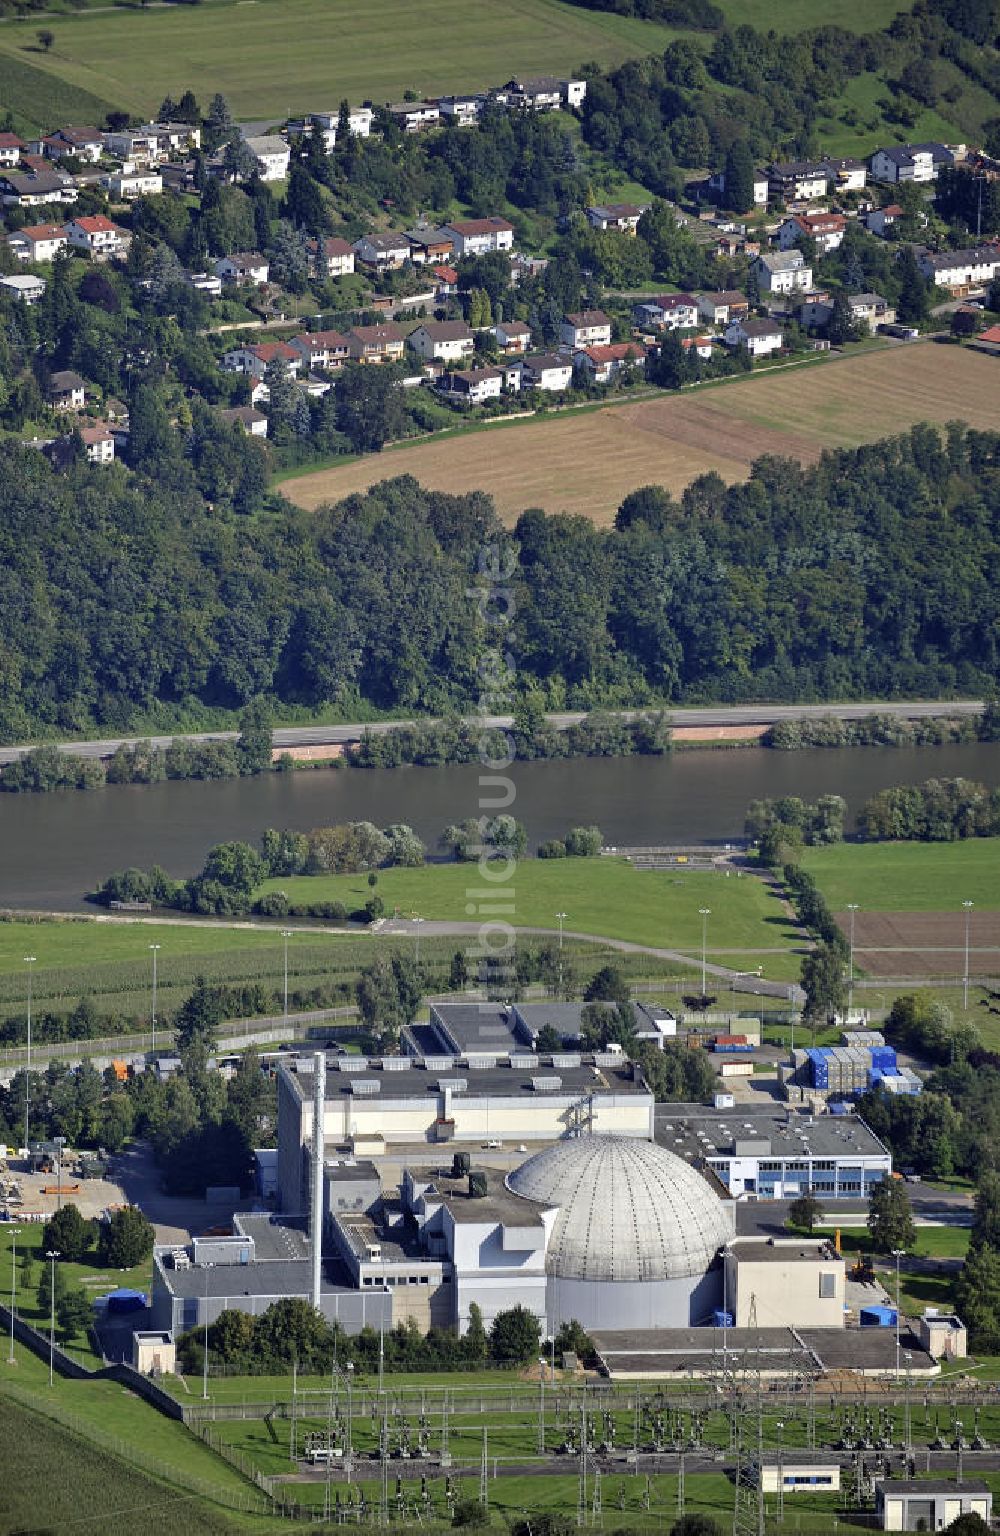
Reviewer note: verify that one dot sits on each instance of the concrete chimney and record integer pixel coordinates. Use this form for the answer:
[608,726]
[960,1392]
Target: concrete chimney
[316,1212]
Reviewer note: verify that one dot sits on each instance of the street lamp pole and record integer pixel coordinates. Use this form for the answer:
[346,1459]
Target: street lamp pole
[706,913]
[15,1233]
[204,1351]
[416,928]
[562,917]
[968,905]
[60,1142]
[52,1255]
[286,934]
[897,1255]
[152,1019]
[852,907]
[29,961]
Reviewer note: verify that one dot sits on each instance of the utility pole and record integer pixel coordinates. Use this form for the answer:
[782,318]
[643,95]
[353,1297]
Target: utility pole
[562,918]
[29,961]
[155,948]
[204,1350]
[748,1503]
[286,934]
[484,1473]
[705,913]
[52,1255]
[897,1255]
[15,1233]
[968,905]
[852,907]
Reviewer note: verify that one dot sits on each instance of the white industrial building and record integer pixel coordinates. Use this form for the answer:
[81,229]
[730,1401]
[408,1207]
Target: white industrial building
[930,1504]
[790,1283]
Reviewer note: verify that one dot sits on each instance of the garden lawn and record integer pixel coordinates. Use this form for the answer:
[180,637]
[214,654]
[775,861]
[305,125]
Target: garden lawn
[90,1274]
[908,877]
[606,897]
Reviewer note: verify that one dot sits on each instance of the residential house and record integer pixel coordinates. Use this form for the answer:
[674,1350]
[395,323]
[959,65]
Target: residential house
[826,229]
[798,181]
[879,221]
[761,186]
[137,146]
[910,162]
[462,111]
[701,346]
[623,217]
[126,185]
[11,150]
[736,244]
[429,245]
[376,343]
[80,143]
[474,385]
[173,139]
[328,350]
[37,242]
[443,341]
[67,391]
[208,283]
[961,270]
[549,371]
[254,359]
[446,280]
[97,234]
[331,256]
[588,328]
[98,443]
[415,116]
[512,336]
[868,311]
[253,422]
[669,312]
[359,122]
[599,365]
[272,155]
[544,93]
[783,272]
[721,307]
[477,237]
[247,268]
[991,338]
[34,189]
[759,337]
[847,175]
[24,287]
[382,251]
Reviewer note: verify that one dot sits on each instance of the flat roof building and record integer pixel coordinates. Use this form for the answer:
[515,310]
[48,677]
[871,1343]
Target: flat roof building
[930,1504]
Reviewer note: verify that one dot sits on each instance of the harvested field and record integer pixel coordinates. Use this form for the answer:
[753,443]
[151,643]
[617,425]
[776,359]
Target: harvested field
[931,944]
[586,462]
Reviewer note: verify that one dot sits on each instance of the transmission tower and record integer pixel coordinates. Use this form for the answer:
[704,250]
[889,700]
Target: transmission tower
[748,1504]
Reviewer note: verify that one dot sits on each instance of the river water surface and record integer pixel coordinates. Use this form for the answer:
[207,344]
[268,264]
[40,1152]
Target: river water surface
[56,847]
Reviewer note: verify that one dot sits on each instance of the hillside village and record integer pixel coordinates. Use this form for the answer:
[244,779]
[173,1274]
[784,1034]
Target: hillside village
[469,313]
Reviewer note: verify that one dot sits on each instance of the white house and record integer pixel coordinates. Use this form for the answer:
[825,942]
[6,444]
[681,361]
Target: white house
[332,256]
[382,250]
[82,143]
[414,116]
[208,283]
[11,149]
[328,350]
[97,234]
[910,162]
[126,185]
[798,181]
[34,189]
[827,229]
[67,391]
[670,312]
[474,385]
[98,443]
[961,269]
[623,217]
[38,242]
[359,121]
[721,307]
[701,346]
[512,335]
[477,237]
[599,365]
[868,310]
[462,111]
[136,145]
[848,174]
[783,272]
[587,328]
[376,343]
[759,337]
[444,341]
[173,138]
[545,93]
[272,155]
[24,287]
[253,422]
[548,371]
[717,183]
[255,359]
[248,268]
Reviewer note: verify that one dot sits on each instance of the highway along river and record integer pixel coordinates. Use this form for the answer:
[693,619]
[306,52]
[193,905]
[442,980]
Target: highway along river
[56,847]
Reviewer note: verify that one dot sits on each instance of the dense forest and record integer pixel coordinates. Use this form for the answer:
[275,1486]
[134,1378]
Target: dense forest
[874,572]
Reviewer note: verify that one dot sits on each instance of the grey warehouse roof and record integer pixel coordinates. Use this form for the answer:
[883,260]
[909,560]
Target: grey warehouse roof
[691,1130]
[628,1210]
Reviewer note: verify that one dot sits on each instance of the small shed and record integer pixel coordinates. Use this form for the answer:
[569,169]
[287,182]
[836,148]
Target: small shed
[154,1354]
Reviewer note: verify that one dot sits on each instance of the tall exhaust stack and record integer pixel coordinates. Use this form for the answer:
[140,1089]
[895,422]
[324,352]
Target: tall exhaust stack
[316,1214]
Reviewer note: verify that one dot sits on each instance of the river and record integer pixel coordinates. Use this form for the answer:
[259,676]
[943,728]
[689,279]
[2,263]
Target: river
[53,848]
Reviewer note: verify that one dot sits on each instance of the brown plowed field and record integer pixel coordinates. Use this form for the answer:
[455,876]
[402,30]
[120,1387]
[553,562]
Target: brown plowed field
[924,943]
[588,461]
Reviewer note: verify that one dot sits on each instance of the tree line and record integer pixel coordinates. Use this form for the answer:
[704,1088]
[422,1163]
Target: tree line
[868,573]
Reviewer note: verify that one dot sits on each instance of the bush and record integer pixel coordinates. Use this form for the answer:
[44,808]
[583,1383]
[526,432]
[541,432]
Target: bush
[553,849]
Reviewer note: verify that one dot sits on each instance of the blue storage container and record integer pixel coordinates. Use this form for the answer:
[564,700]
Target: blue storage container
[877,1317]
[722,1319]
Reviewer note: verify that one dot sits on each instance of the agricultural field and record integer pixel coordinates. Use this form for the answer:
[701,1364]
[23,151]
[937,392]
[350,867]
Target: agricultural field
[606,897]
[588,461]
[275,57]
[909,877]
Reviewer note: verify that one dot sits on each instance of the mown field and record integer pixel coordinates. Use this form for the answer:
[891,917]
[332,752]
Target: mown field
[273,57]
[587,462]
[909,877]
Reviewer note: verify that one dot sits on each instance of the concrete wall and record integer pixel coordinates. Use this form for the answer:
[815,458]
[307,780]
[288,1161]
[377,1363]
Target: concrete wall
[633,1304]
[786,1291]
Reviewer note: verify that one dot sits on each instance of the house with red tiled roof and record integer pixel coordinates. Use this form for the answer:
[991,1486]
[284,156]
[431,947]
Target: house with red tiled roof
[11,149]
[826,229]
[255,359]
[99,235]
[328,350]
[331,256]
[476,237]
[599,365]
[38,242]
